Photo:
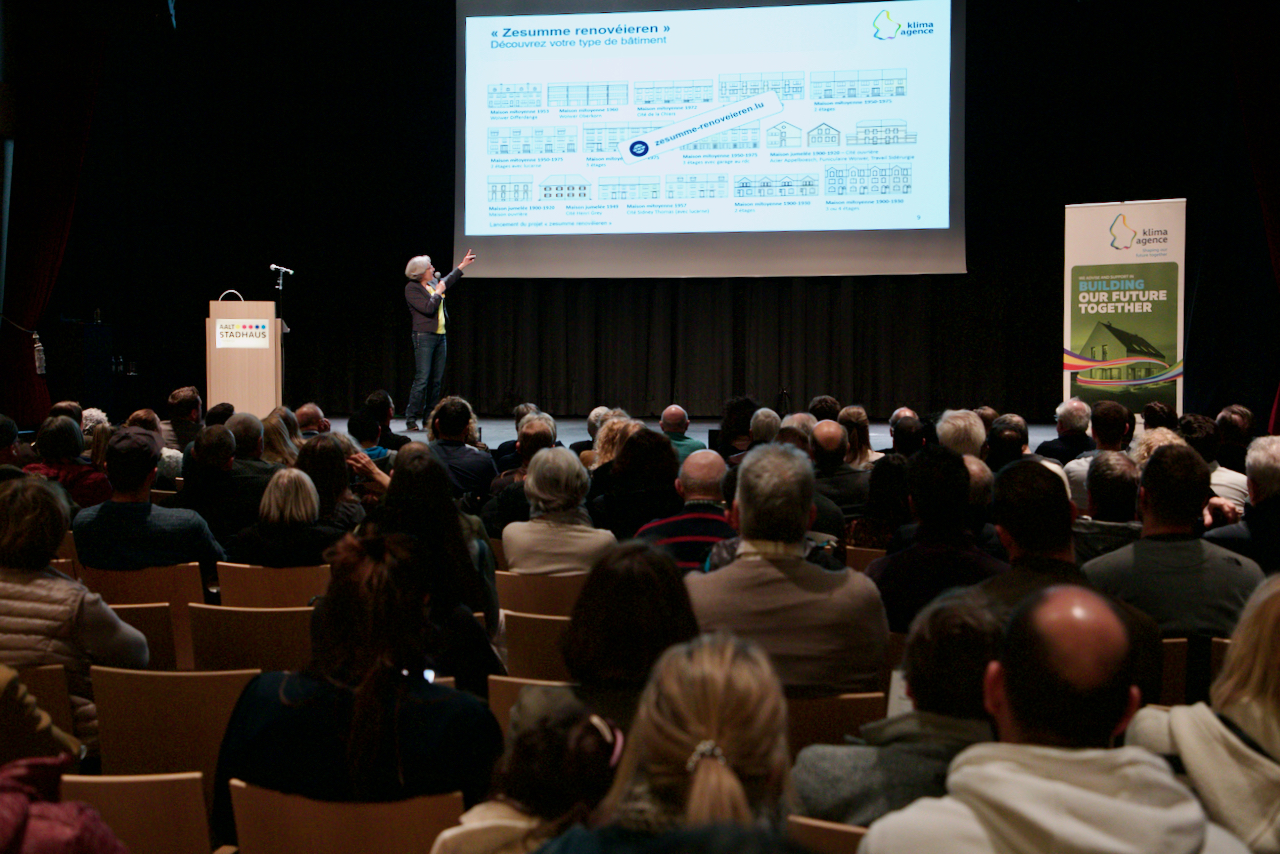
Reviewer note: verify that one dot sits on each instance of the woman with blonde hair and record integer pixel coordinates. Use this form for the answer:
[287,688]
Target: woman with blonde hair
[708,747]
[277,446]
[288,531]
[860,455]
[1231,752]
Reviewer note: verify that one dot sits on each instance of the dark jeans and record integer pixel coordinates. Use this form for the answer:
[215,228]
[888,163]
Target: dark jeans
[429,351]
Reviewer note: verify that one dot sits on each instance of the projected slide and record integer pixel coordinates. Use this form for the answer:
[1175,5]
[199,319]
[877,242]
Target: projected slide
[814,118]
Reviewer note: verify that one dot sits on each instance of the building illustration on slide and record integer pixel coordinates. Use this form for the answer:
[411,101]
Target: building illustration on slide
[746,136]
[510,188]
[533,140]
[1107,342]
[612,94]
[514,95]
[880,132]
[868,180]
[697,186]
[873,83]
[561,187]
[775,185]
[674,92]
[788,84]
[784,135]
[630,187]
[824,135]
[599,137]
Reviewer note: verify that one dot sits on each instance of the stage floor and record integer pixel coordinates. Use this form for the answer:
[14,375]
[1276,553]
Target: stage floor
[495,431]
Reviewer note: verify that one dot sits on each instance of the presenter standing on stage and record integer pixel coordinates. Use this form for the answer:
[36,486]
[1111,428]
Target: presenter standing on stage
[424,295]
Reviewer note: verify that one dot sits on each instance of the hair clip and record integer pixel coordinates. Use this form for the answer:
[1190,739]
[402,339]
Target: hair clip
[707,749]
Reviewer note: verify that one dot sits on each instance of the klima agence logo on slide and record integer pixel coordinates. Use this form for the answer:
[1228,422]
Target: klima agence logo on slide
[888,29]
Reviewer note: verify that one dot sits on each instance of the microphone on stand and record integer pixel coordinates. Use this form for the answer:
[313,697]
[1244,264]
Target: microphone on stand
[276,269]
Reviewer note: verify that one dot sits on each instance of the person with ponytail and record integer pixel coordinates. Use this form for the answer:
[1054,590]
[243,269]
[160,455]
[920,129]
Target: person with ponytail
[361,722]
[708,747]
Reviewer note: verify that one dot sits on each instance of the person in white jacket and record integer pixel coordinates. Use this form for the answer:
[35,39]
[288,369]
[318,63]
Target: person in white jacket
[1060,691]
[1231,752]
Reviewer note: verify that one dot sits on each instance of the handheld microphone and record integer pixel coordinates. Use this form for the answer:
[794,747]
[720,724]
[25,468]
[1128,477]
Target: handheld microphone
[276,269]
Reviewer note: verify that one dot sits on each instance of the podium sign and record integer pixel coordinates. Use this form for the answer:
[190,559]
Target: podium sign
[242,349]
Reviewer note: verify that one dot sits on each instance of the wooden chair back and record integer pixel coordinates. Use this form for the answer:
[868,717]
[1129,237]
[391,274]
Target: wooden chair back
[225,638]
[151,722]
[162,497]
[824,837]
[149,813]
[245,586]
[178,585]
[65,565]
[155,621]
[499,554]
[48,685]
[67,551]
[1173,678]
[505,690]
[273,823]
[859,558]
[1217,656]
[533,646]
[827,720]
[554,595]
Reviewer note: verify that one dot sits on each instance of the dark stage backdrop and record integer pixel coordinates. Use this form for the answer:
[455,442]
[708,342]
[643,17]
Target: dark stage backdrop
[301,134]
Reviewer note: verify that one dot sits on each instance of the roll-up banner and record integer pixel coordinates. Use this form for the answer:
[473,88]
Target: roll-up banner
[1122,302]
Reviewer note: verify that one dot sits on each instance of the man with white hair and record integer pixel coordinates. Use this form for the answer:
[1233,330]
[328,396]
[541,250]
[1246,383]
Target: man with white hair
[1257,535]
[675,423]
[824,630]
[689,535]
[424,294]
[595,418]
[962,431]
[1073,432]
[765,425]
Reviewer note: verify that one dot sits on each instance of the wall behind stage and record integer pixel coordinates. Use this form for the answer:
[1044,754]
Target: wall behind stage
[319,138]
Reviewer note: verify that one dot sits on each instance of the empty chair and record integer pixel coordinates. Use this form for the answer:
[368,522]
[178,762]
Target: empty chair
[827,720]
[245,586]
[533,646]
[225,638]
[160,723]
[505,690]
[273,823]
[149,813]
[824,837]
[540,594]
[48,684]
[179,585]
[155,621]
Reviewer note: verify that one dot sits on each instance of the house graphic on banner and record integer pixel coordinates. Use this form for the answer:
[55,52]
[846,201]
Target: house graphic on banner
[1107,343]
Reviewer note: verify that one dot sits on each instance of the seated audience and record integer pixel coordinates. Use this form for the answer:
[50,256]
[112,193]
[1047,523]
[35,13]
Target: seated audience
[595,418]
[765,425]
[558,536]
[364,429]
[219,413]
[551,777]
[888,507]
[1235,429]
[311,421]
[505,456]
[323,460]
[1152,439]
[536,431]
[278,446]
[944,553]
[69,408]
[1202,434]
[834,477]
[855,422]
[10,448]
[633,606]
[1059,693]
[1111,498]
[250,473]
[689,535]
[470,469]
[641,485]
[735,427]
[908,435]
[28,730]
[417,503]
[60,444]
[824,630]
[1257,535]
[1189,586]
[1007,441]
[962,431]
[1111,432]
[829,522]
[1230,752]
[675,424]
[1073,439]
[1158,414]
[185,410]
[288,531]
[905,757]
[801,421]
[48,618]
[708,746]
[380,405]
[128,532]
[209,489]
[360,722]
[169,467]
[614,432]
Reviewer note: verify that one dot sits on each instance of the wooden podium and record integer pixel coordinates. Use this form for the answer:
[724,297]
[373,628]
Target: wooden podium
[243,356]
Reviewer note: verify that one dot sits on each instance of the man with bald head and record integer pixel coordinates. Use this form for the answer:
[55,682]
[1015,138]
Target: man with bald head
[311,420]
[836,479]
[689,535]
[675,423]
[1060,691]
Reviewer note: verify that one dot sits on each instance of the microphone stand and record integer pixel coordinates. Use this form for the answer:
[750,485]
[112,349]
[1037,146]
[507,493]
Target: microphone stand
[284,327]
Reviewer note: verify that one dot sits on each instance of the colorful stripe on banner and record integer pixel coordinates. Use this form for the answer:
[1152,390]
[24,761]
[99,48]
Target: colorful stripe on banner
[1075,363]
